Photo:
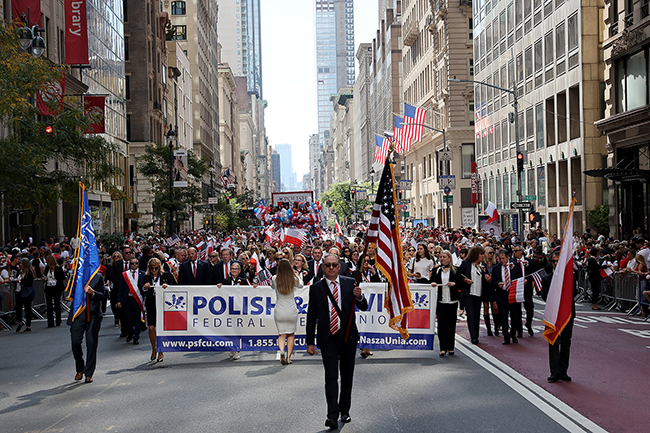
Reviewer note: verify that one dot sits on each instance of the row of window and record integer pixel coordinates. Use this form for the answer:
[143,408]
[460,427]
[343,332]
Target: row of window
[502,190]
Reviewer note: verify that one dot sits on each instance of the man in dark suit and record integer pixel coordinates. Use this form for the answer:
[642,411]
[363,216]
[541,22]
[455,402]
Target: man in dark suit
[131,300]
[88,322]
[502,277]
[344,269]
[194,272]
[331,308]
[519,270]
[221,270]
[115,277]
[315,265]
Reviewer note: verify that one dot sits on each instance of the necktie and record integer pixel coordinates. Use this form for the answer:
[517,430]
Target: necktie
[507,279]
[126,266]
[317,267]
[334,317]
[226,270]
[133,274]
[194,268]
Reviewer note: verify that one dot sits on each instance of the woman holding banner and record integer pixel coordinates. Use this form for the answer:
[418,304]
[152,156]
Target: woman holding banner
[286,312]
[154,279]
[448,279]
[474,279]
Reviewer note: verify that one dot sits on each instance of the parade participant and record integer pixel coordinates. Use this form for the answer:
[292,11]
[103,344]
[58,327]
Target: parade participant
[171,265]
[448,280]
[120,265]
[420,266]
[354,259]
[489,295]
[132,301]
[25,295]
[236,278]
[519,270]
[145,257]
[558,353]
[344,269]
[302,269]
[593,269]
[88,322]
[331,308]
[248,271]
[502,279]
[221,270]
[194,272]
[154,279]
[54,278]
[316,265]
[473,272]
[286,312]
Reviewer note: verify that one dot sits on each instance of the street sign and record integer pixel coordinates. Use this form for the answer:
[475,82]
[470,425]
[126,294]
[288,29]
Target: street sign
[404,207]
[405,184]
[447,190]
[445,155]
[402,202]
[213,200]
[361,194]
[448,199]
[521,205]
[449,181]
[530,197]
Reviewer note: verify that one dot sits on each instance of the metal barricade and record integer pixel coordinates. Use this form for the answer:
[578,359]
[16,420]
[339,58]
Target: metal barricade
[39,298]
[626,289]
[580,279]
[7,313]
[607,293]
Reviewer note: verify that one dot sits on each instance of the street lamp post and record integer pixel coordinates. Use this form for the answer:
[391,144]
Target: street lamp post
[171,135]
[28,36]
[515,106]
[372,179]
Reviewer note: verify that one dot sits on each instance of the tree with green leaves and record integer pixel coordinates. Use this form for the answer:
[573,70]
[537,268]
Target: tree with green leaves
[342,202]
[154,166]
[41,167]
[599,219]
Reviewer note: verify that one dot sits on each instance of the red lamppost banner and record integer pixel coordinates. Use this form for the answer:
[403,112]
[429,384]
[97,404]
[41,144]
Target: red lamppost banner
[23,6]
[49,97]
[474,183]
[76,33]
[94,108]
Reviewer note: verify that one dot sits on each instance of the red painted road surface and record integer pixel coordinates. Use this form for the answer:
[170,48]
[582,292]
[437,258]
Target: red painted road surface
[609,365]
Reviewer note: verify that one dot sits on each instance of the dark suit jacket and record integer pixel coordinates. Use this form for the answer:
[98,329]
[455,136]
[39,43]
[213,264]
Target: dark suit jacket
[116,273]
[465,269]
[217,271]
[239,281]
[94,301]
[186,276]
[454,276]
[497,278]
[123,290]
[318,312]
[311,264]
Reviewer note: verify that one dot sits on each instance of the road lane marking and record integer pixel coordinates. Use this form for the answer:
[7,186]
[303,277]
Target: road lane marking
[553,407]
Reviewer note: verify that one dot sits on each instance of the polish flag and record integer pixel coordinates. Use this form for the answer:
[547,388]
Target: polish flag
[491,211]
[560,295]
[516,292]
[294,237]
[338,228]
[227,243]
[606,272]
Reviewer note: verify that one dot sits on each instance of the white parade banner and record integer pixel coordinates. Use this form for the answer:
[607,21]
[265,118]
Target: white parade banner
[235,318]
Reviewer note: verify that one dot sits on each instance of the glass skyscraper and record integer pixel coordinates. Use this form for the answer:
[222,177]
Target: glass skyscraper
[334,55]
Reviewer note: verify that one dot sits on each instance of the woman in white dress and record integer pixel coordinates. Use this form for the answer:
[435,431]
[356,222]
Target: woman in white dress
[286,312]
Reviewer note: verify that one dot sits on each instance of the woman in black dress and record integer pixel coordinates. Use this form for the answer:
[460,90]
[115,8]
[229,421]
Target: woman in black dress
[474,280]
[154,279]
[448,280]
[54,277]
[489,295]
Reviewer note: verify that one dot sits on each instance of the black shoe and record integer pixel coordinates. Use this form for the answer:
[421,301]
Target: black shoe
[565,376]
[345,417]
[129,338]
[474,341]
[552,378]
[331,423]
[20,326]
[136,341]
[496,331]
[520,334]
[443,353]
[514,340]
[506,341]
[489,333]
[530,330]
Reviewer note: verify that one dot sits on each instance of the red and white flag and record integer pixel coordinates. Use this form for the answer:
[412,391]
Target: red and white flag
[516,292]
[338,228]
[491,211]
[340,241]
[227,243]
[49,97]
[94,109]
[413,122]
[560,295]
[294,237]
[606,272]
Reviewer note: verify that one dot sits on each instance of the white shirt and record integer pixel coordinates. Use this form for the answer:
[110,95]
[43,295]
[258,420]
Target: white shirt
[446,295]
[476,288]
[645,253]
[424,267]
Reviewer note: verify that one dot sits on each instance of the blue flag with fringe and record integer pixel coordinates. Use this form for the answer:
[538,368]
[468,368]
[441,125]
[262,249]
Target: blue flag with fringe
[86,261]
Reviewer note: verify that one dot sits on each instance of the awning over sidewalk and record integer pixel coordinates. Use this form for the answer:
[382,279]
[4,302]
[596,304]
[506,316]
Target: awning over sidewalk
[614,173]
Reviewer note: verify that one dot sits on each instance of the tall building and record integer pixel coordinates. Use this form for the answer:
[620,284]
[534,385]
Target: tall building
[364,136]
[627,110]
[437,45]
[314,167]
[229,128]
[276,174]
[286,164]
[334,25]
[549,54]
[342,133]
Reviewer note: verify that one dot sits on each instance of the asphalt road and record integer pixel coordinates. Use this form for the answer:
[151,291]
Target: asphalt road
[410,391]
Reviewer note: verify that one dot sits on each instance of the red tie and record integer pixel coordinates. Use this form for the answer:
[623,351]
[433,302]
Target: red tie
[226,276]
[317,267]
[133,274]
[126,266]
[334,317]
[194,268]
[507,281]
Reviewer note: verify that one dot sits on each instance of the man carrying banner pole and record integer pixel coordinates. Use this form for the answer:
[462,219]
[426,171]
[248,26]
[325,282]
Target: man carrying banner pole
[86,287]
[560,306]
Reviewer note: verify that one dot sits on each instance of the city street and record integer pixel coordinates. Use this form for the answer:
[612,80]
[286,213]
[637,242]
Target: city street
[208,392]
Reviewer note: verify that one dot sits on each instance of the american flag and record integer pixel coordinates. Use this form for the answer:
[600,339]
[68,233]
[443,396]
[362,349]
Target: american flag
[225,178]
[403,144]
[264,278]
[384,233]
[537,279]
[173,240]
[381,149]
[413,115]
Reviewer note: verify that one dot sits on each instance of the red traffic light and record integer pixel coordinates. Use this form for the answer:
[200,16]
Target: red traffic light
[49,129]
[520,156]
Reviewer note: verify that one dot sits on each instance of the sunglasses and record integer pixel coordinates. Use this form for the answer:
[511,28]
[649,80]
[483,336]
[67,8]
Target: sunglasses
[554,261]
[155,267]
[330,265]
[135,263]
[490,253]
[126,252]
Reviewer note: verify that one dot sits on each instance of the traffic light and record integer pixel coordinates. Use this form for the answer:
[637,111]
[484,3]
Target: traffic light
[49,129]
[328,203]
[534,217]
[347,195]
[520,162]
[353,192]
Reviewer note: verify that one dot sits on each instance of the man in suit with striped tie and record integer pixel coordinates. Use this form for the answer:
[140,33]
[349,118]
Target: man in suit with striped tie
[331,302]
[502,280]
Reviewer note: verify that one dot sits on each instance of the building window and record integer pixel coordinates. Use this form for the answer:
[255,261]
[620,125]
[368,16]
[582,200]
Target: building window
[127,87]
[178,8]
[539,122]
[572,24]
[560,47]
[180,33]
[631,82]
[541,187]
[467,158]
